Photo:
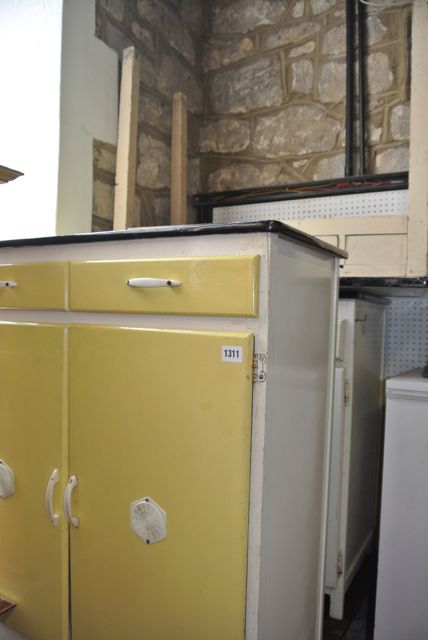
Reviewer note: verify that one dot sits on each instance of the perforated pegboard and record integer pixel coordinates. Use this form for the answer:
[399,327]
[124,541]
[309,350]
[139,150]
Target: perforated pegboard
[381,203]
[406,338]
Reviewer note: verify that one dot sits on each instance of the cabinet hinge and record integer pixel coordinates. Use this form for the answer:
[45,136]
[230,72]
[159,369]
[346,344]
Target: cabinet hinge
[259,373]
[347,393]
[339,564]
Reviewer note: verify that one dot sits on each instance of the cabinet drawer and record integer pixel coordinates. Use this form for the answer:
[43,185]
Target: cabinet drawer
[218,286]
[39,285]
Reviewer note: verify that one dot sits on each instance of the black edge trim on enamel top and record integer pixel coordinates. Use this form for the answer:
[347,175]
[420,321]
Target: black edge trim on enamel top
[267,226]
[384,282]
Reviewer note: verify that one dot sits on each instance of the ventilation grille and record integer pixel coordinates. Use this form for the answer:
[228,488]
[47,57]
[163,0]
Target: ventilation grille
[406,345]
[380,203]
[148,520]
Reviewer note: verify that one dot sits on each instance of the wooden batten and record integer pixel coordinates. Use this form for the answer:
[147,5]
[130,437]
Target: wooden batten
[179,160]
[126,161]
[418,171]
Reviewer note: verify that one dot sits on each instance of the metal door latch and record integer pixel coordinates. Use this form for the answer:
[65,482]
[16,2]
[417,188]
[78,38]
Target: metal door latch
[259,373]
[347,393]
[339,565]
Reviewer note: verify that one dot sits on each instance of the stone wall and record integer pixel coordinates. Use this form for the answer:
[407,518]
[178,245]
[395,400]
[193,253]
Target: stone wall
[275,92]
[265,81]
[168,37]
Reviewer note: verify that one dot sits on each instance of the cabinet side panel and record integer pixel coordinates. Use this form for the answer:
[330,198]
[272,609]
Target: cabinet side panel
[366,428]
[401,594]
[339,466]
[300,361]
[335,475]
[33,552]
[165,415]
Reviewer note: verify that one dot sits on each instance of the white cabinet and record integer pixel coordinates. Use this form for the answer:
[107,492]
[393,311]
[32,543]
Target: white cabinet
[356,433]
[402,584]
[166,402]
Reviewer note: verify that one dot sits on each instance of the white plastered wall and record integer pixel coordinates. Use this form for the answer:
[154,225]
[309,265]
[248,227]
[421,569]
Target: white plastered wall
[30,54]
[59,92]
[89,99]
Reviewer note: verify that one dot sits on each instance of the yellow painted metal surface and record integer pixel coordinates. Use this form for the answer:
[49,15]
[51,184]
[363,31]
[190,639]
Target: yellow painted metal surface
[39,285]
[160,414]
[213,286]
[33,553]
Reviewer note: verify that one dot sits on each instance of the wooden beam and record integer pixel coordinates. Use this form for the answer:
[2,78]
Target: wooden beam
[126,160]
[179,160]
[418,170]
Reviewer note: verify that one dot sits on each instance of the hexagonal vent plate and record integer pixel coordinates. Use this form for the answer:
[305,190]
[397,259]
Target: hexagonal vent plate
[148,520]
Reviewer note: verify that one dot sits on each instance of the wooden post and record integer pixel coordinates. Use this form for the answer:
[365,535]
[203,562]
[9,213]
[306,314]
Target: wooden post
[179,160]
[418,170]
[126,160]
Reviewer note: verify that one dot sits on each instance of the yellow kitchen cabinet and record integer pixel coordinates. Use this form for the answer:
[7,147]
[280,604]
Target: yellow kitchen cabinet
[159,414]
[155,441]
[33,445]
[198,442]
[215,286]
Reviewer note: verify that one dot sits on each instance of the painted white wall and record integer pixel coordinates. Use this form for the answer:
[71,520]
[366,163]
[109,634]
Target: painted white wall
[59,92]
[30,54]
[89,104]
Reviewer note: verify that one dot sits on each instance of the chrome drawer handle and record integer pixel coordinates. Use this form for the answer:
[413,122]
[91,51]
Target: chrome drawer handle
[152,283]
[8,284]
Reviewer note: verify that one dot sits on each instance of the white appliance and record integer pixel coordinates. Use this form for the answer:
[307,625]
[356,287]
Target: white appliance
[356,435]
[402,585]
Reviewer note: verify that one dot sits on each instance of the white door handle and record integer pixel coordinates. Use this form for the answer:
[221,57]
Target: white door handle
[152,283]
[5,284]
[71,484]
[50,487]
[7,482]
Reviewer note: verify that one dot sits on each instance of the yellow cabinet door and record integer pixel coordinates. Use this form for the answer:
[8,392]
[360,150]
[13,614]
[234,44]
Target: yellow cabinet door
[33,551]
[162,416]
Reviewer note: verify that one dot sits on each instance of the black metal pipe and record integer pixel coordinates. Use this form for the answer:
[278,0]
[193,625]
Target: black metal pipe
[205,213]
[350,81]
[362,85]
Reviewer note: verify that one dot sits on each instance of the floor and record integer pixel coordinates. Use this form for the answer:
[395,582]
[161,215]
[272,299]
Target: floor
[358,627]
[357,623]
